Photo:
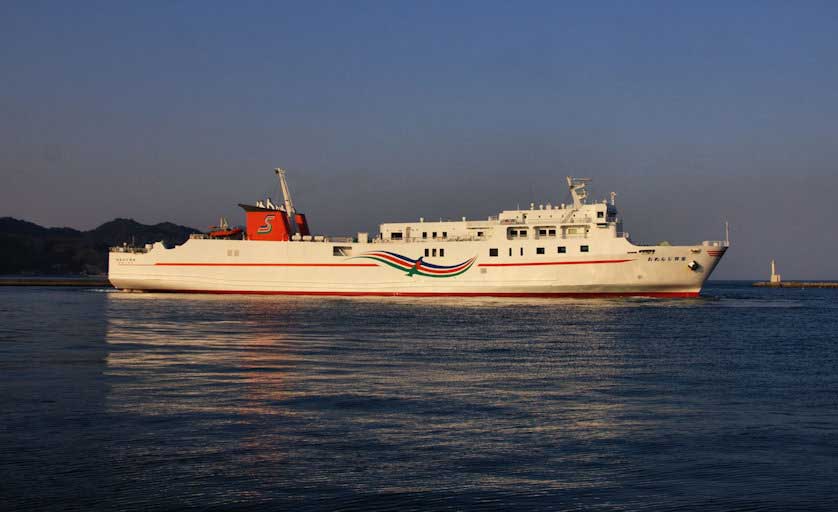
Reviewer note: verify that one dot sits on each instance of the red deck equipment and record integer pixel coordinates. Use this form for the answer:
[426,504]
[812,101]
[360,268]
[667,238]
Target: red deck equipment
[302,224]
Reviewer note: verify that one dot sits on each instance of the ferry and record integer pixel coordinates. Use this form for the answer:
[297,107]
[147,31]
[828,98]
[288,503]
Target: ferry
[578,249]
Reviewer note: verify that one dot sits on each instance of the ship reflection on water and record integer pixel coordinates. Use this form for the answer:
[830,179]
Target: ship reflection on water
[306,398]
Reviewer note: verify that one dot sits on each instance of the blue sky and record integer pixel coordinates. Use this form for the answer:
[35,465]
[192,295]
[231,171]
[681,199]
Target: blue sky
[382,111]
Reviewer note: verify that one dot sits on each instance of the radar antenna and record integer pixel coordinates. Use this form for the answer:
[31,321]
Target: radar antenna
[577,190]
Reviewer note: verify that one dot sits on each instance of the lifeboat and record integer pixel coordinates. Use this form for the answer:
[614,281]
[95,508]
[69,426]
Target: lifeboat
[223,230]
[225,233]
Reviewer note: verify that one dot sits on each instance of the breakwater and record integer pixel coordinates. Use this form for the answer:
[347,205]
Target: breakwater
[79,282]
[797,284]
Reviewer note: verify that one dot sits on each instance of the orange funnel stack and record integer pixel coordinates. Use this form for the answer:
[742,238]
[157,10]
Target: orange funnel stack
[266,224]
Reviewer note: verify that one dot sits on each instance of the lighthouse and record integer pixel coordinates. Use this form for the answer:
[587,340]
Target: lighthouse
[775,277]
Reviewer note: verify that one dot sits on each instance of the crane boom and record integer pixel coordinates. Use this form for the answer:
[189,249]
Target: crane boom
[289,204]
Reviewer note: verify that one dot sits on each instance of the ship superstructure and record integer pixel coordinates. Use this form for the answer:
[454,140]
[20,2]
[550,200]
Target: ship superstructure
[575,249]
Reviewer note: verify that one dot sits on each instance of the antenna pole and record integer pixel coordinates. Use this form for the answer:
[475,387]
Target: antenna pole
[727,234]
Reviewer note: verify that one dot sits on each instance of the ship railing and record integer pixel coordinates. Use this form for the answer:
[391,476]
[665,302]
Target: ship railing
[429,239]
[128,249]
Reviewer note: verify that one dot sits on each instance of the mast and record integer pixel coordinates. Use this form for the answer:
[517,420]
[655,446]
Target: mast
[577,190]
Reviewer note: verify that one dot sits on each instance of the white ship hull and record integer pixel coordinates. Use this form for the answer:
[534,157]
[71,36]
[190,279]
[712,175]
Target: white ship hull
[616,268]
[551,251]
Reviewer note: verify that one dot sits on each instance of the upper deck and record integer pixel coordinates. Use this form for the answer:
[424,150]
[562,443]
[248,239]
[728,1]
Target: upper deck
[576,220]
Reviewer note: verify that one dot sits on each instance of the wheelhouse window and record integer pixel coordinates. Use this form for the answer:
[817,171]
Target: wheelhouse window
[493,253]
[539,250]
[583,248]
[562,249]
[396,235]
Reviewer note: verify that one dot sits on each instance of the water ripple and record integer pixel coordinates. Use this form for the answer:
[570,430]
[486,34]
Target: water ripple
[142,401]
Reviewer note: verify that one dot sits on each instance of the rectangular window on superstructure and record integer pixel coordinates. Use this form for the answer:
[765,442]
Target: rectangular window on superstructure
[522,251]
[479,234]
[424,234]
[522,233]
[493,253]
[583,248]
[510,251]
[433,253]
[442,253]
[427,252]
[539,250]
[542,232]
[562,249]
[552,232]
[513,232]
[396,236]
[338,250]
[600,215]
[445,234]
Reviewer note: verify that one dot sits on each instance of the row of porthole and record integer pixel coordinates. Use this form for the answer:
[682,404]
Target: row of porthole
[539,250]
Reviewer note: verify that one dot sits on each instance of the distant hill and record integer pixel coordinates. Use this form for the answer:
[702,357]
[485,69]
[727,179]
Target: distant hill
[27,248]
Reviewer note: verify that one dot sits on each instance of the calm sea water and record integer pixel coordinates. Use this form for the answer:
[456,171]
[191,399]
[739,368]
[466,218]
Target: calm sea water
[113,400]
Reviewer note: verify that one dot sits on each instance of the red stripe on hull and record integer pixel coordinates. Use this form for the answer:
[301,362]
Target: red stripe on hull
[580,295]
[265,264]
[407,267]
[538,263]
